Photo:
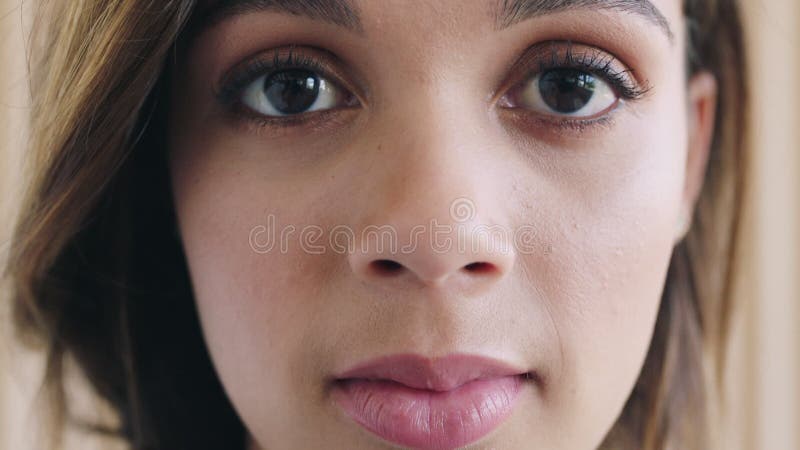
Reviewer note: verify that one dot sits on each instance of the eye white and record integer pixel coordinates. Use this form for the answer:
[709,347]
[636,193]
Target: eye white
[255,97]
[603,97]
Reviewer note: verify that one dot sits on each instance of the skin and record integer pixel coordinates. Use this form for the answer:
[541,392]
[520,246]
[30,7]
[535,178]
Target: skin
[606,203]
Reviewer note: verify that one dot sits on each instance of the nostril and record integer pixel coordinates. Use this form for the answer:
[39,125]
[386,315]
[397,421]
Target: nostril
[480,267]
[386,266]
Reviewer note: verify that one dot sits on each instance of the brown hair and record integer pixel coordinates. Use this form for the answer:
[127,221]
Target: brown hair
[99,276]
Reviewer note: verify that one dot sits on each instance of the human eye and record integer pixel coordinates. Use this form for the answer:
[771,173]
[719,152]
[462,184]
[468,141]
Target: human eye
[286,87]
[571,84]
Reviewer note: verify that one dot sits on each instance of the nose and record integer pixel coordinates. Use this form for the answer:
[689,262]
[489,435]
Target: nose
[432,215]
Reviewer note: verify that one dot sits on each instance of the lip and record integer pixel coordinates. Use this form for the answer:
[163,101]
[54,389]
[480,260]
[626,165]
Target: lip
[430,404]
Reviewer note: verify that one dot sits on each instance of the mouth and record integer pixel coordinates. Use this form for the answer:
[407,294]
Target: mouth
[430,404]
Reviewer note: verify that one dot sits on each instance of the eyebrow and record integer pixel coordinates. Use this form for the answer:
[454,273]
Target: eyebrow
[510,12]
[337,12]
[345,14]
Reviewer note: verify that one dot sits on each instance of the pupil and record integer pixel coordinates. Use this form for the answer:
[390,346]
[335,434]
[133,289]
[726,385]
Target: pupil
[292,91]
[566,90]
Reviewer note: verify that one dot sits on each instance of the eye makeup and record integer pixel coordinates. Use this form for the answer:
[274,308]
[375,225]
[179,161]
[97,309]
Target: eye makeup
[570,55]
[291,59]
[580,66]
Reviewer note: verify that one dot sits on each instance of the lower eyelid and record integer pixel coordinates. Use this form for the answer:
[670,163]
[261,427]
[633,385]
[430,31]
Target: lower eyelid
[535,123]
[329,119]
[283,126]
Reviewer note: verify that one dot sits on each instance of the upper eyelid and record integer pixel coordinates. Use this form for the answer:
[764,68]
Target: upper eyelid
[546,55]
[235,79]
[562,53]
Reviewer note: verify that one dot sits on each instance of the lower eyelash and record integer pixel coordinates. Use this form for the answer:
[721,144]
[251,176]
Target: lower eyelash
[566,125]
[282,126]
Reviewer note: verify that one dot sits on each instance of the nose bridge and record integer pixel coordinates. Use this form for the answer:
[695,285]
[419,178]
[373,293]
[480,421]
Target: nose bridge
[436,151]
[432,214]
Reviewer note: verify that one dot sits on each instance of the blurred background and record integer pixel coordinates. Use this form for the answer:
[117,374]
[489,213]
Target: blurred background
[762,397]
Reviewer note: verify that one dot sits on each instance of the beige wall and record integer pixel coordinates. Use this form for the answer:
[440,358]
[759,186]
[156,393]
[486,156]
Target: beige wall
[15,367]
[773,359]
[13,391]
[763,394]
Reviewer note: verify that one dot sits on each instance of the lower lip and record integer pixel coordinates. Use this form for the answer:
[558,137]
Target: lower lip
[429,420]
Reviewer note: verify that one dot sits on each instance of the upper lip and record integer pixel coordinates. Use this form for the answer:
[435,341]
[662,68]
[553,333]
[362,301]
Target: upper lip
[436,374]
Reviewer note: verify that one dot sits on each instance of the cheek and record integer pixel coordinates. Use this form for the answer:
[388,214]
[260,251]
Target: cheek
[607,236]
[254,306]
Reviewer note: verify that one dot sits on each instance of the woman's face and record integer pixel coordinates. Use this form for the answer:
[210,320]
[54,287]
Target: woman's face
[430,223]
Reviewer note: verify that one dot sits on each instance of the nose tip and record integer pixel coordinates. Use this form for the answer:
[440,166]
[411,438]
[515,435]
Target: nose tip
[481,261]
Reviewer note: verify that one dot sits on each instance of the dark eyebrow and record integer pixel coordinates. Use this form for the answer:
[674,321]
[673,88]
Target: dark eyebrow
[338,12]
[345,14]
[509,12]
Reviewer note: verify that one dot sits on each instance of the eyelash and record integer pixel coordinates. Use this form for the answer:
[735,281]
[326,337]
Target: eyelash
[233,85]
[593,60]
[241,76]
[558,54]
